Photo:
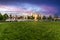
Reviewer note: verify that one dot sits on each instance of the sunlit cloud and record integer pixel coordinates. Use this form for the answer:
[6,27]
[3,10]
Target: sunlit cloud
[29,8]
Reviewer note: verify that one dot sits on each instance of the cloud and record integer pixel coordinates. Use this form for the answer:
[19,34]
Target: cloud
[29,8]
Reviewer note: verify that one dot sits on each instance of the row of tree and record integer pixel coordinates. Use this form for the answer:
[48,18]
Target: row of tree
[50,18]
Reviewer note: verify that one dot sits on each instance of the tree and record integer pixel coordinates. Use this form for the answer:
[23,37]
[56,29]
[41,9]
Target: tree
[1,17]
[44,17]
[10,16]
[5,16]
[38,17]
[30,17]
[50,18]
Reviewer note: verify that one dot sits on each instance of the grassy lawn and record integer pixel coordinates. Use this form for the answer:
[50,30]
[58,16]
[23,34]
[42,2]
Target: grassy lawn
[30,31]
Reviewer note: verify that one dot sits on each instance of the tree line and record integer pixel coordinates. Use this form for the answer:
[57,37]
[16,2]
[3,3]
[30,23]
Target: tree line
[44,18]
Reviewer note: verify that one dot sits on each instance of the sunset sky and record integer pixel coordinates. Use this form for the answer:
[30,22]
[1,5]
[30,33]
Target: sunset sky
[46,7]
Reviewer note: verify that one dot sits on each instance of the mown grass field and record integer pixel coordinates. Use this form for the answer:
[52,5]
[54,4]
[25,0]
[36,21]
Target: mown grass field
[30,31]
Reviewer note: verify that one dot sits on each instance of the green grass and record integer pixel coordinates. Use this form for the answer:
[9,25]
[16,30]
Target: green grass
[30,31]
